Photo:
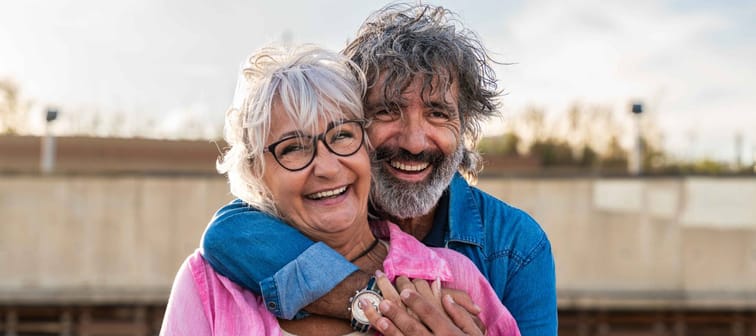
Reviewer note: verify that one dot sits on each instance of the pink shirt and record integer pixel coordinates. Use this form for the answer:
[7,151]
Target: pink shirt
[203,302]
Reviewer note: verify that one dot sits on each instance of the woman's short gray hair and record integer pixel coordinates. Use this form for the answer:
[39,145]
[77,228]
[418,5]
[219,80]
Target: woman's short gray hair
[308,83]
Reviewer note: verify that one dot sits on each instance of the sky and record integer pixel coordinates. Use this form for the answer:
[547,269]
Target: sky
[168,68]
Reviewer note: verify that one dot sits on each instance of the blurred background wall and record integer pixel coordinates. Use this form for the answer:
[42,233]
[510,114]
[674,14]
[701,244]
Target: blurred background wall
[627,129]
[106,238]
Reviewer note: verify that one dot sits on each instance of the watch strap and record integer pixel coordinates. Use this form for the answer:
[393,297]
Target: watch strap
[372,285]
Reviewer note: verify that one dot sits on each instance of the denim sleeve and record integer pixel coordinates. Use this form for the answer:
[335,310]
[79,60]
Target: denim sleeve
[271,258]
[532,299]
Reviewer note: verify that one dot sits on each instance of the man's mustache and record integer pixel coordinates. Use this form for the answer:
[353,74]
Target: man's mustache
[384,153]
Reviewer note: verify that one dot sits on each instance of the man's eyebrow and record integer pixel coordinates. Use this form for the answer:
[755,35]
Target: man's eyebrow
[381,102]
[441,105]
[371,105]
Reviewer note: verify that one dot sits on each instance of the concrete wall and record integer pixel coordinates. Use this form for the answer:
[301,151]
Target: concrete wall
[617,242]
[645,242]
[101,239]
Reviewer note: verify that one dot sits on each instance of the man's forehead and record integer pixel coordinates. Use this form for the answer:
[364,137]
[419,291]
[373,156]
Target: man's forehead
[438,90]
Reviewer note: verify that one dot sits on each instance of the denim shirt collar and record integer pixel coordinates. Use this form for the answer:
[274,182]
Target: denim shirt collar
[465,222]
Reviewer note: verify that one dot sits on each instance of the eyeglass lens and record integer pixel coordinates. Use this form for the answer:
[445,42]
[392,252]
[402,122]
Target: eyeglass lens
[297,152]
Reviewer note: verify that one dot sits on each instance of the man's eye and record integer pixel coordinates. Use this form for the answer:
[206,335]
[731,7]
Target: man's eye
[385,115]
[439,115]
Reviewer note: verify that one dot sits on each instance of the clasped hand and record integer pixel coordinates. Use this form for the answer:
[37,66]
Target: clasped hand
[417,307]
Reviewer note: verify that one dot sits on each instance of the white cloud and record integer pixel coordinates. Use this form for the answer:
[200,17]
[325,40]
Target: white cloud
[693,66]
[615,52]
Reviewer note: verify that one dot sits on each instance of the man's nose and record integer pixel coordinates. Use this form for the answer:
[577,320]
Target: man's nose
[414,137]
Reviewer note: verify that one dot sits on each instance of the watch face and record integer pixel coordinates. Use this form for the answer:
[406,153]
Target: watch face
[358,312]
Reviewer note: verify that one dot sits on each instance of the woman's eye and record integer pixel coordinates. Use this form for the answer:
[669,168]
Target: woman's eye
[342,136]
[291,148]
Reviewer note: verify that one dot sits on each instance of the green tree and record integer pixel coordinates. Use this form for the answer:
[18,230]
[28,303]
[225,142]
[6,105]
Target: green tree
[11,107]
[615,156]
[553,152]
[588,157]
[502,145]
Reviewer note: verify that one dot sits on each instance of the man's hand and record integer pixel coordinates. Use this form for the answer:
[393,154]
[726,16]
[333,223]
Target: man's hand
[424,309]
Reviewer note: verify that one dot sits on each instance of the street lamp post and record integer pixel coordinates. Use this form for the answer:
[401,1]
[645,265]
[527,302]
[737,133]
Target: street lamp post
[47,153]
[635,162]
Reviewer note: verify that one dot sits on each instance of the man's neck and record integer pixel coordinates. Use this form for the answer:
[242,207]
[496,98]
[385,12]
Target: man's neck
[417,226]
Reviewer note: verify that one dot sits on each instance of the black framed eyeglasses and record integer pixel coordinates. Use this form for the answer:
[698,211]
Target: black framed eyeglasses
[296,152]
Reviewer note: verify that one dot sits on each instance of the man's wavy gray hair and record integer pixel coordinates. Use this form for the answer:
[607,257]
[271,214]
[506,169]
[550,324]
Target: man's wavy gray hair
[307,83]
[401,41]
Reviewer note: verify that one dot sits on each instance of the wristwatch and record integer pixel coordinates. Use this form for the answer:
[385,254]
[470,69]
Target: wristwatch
[373,295]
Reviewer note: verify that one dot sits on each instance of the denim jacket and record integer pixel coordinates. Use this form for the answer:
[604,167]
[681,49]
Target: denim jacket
[505,243]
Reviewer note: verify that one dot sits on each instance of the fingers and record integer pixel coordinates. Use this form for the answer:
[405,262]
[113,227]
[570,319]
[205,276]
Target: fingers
[426,291]
[463,299]
[462,318]
[382,324]
[387,289]
[436,287]
[479,324]
[397,321]
[431,315]
[429,291]
[417,307]
[402,283]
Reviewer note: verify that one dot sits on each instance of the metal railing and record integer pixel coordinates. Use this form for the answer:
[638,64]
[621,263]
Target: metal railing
[144,320]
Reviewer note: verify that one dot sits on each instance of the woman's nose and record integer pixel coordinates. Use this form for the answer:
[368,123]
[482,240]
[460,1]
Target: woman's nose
[325,162]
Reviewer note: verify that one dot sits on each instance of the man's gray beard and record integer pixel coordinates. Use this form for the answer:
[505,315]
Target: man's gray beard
[404,200]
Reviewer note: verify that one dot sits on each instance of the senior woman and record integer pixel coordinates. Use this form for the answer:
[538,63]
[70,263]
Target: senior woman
[298,151]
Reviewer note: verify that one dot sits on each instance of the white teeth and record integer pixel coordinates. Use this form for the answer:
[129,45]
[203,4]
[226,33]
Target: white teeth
[327,193]
[407,167]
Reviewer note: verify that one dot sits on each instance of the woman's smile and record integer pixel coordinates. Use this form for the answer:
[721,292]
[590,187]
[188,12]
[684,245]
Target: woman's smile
[327,193]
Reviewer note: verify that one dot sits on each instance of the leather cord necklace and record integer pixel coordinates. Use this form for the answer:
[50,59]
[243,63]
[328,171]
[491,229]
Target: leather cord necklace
[367,250]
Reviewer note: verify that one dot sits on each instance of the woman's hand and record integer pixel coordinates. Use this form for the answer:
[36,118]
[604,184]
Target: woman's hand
[424,309]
